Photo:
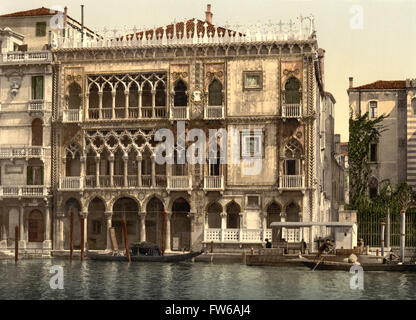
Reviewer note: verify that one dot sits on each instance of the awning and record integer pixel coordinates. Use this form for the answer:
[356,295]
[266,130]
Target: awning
[311,224]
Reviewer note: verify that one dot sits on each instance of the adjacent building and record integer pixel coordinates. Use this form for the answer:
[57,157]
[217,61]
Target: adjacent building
[393,157]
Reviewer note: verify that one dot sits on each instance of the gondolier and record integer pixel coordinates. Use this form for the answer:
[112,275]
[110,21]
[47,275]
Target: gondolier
[324,247]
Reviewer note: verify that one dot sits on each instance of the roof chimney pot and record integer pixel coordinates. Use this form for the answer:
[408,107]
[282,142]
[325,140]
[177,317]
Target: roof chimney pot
[208,14]
[351,82]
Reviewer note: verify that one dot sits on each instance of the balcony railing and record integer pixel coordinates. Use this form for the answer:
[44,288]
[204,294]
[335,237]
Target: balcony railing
[34,56]
[132,113]
[24,191]
[214,183]
[237,235]
[179,182]
[118,181]
[72,116]
[21,152]
[106,113]
[291,182]
[180,113]
[293,110]
[90,181]
[36,106]
[291,235]
[214,112]
[70,183]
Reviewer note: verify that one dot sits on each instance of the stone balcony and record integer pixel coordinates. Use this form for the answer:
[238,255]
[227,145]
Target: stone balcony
[291,182]
[36,107]
[179,183]
[179,113]
[237,235]
[72,116]
[293,110]
[29,57]
[23,191]
[214,112]
[213,183]
[25,152]
[117,113]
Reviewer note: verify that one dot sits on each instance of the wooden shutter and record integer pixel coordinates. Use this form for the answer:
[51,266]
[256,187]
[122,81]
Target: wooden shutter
[29,181]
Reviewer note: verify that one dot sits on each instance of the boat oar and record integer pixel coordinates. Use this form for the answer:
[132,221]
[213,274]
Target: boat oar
[322,258]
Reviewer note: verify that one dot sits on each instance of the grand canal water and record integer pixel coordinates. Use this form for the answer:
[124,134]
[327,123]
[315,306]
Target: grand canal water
[29,279]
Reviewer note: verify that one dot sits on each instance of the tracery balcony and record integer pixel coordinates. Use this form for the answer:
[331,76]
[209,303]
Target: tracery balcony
[291,182]
[214,112]
[213,183]
[292,110]
[72,116]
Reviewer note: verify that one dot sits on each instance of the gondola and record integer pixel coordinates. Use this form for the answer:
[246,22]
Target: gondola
[144,258]
[344,266]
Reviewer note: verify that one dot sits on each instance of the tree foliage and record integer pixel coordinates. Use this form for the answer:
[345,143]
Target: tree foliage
[363,131]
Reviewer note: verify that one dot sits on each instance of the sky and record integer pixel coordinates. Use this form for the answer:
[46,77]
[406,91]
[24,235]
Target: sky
[369,40]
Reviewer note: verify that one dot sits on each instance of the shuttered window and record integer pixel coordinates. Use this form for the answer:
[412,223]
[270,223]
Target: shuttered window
[40,29]
[37,87]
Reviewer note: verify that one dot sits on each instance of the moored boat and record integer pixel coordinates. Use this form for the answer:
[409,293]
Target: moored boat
[144,258]
[344,266]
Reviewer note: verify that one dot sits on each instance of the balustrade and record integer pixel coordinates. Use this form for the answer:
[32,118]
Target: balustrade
[291,182]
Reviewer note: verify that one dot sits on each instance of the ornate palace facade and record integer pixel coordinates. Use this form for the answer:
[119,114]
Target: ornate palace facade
[114,93]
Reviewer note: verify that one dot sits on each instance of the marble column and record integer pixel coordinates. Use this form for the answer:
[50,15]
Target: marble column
[111,159]
[153,103]
[108,217]
[84,215]
[139,170]
[21,227]
[60,230]
[113,105]
[168,236]
[223,224]
[126,94]
[126,163]
[142,226]
[97,171]
[47,223]
[83,161]
[153,158]
[100,105]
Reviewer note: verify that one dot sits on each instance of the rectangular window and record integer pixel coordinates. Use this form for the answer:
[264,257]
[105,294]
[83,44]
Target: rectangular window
[37,87]
[34,176]
[373,109]
[40,29]
[290,167]
[252,80]
[252,144]
[253,201]
[373,152]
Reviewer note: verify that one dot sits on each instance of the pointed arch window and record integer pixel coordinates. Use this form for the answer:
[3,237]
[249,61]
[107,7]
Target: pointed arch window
[74,91]
[293,153]
[180,98]
[292,91]
[215,93]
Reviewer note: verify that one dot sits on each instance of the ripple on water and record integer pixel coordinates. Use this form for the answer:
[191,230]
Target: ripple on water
[29,279]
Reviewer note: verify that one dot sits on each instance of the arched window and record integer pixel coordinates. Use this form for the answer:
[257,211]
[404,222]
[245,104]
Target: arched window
[147,95]
[74,101]
[37,132]
[214,160]
[133,101]
[293,152]
[180,98]
[373,188]
[292,213]
[215,93]
[214,215]
[233,216]
[120,101]
[273,213]
[413,104]
[292,91]
[160,95]
[93,102]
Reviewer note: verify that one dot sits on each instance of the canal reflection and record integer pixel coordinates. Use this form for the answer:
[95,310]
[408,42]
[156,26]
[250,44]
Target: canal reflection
[29,279]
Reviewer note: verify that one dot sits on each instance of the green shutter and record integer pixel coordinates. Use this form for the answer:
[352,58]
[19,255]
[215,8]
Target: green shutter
[39,88]
[33,87]
[41,176]
[29,176]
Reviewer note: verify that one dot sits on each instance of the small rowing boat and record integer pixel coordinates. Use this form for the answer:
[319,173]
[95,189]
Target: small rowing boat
[344,266]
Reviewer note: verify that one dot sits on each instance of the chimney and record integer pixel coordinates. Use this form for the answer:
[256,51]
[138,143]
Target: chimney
[208,14]
[351,82]
[65,15]
[321,57]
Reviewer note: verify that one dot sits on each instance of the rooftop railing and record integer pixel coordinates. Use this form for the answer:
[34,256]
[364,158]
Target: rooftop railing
[34,56]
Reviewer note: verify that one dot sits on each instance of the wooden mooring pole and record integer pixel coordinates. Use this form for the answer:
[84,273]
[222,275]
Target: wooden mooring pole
[126,241]
[16,243]
[383,225]
[163,232]
[71,236]
[402,234]
[212,251]
[82,237]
